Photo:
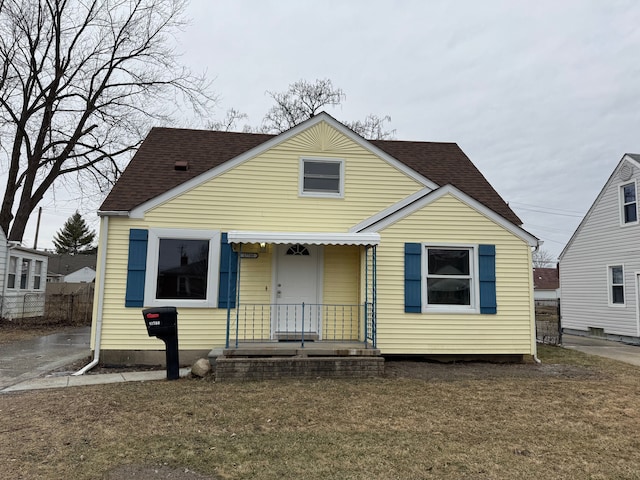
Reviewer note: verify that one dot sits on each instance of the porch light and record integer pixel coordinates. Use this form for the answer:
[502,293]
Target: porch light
[263,247]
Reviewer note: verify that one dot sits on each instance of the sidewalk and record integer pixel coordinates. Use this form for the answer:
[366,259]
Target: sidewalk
[27,365]
[54,381]
[603,348]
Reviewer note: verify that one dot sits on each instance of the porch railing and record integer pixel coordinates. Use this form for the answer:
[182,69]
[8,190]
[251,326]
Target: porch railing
[302,323]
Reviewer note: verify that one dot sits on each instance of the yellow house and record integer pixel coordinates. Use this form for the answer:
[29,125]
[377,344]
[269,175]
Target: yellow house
[314,237]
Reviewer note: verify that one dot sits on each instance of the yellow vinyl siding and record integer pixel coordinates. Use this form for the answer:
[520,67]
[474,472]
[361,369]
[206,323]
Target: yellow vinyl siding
[255,276]
[341,285]
[124,328]
[262,193]
[507,332]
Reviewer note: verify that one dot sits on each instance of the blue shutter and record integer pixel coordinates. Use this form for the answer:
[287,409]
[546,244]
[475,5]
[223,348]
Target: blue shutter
[487,277]
[136,267]
[228,274]
[412,277]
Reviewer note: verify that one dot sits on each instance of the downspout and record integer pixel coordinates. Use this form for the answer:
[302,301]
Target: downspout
[535,344]
[104,234]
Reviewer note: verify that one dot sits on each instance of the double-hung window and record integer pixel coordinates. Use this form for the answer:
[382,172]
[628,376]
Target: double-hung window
[182,268]
[628,204]
[321,177]
[37,275]
[13,267]
[616,285]
[450,280]
[24,273]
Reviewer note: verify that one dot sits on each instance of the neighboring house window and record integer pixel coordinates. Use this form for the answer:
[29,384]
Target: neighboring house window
[322,178]
[24,273]
[182,268]
[450,277]
[37,275]
[629,203]
[616,285]
[11,280]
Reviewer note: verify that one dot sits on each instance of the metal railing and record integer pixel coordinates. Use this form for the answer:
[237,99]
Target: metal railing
[302,322]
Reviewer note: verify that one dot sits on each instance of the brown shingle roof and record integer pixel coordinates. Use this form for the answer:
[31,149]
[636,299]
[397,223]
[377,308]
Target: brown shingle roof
[545,279]
[151,172]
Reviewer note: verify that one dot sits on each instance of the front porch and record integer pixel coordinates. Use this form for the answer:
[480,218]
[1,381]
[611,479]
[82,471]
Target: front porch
[319,317]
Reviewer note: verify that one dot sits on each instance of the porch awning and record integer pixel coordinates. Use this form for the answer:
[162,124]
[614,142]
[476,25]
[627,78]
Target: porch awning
[308,238]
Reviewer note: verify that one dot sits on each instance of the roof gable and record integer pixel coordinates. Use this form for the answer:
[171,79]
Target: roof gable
[151,177]
[546,279]
[631,159]
[413,203]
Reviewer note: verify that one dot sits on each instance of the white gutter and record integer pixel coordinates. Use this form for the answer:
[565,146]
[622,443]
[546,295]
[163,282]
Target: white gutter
[104,233]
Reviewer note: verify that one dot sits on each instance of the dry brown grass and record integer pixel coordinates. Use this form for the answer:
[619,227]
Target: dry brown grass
[574,417]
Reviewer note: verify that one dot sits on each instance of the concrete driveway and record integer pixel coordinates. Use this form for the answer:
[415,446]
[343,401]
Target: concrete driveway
[33,358]
[603,348]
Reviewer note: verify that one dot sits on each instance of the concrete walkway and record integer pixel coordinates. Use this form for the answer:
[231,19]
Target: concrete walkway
[29,359]
[603,348]
[27,365]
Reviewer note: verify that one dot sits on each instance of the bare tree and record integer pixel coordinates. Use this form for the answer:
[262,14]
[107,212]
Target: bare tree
[542,258]
[372,127]
[229,122]
[80,81]
[303,100]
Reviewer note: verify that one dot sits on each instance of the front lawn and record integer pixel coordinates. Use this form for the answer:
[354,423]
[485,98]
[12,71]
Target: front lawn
[572,417]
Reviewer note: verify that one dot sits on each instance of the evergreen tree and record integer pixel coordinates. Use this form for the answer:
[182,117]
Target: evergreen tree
[74,237]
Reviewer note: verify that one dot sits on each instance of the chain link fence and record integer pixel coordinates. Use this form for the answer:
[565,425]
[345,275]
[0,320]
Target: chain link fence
[548,328]
[63,304]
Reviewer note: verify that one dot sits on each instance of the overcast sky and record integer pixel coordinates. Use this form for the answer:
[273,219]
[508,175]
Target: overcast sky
[544,96]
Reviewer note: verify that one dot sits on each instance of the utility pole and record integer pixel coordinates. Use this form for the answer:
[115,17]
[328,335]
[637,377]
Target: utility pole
[35,242]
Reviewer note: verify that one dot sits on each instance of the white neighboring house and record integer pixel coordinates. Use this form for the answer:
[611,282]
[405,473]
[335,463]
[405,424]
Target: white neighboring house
[84,275]
[600,266]
[22,280]
[79,268]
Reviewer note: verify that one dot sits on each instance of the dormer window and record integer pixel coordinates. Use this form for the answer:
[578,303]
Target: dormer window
[628,204]
[321,177]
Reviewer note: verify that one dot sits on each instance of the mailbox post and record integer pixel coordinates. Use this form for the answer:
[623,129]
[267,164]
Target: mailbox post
[162,322]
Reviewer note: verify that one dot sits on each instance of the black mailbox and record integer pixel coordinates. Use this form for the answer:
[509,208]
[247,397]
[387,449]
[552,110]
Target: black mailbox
[162,322]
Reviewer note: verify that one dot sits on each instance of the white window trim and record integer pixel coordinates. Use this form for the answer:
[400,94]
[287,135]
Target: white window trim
[151,274]
[301,191]
[474,307]
[621,203]
[610,286]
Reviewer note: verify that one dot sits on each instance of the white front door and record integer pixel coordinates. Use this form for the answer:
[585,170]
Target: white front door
[297,282]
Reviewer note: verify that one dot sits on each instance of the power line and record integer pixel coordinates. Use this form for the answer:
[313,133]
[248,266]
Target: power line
[548,209]
[548,212]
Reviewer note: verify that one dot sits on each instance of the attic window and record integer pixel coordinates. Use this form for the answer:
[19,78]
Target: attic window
[628,203]
[321,177]
[181,165]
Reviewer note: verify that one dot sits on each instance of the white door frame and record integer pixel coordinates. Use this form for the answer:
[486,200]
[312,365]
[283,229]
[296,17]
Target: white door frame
[277,250]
